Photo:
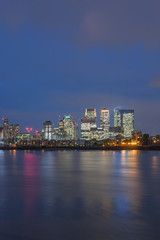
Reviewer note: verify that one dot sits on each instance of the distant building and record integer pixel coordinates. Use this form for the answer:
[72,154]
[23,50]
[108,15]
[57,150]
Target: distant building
[48,129]
[55,134]
[117,118]
[14,131]
[90,113]
[114,132]
[158,138]
[6,129]
[86,126]
[88,123]
[97,134]
[61,124]
[155,140]
[1,134]
[37,136]
[118,140]
[59,134]
[125,120]
[105,122]
[75,134]
[23,137]
[70,128]
[137,136]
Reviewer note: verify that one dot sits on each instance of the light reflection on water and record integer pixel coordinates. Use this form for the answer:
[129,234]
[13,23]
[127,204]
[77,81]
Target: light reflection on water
[79,195]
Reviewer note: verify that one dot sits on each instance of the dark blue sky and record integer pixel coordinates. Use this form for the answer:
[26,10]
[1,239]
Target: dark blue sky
[58,57]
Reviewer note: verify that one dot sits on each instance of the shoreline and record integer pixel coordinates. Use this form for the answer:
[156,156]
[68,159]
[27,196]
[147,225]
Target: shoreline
[112,148]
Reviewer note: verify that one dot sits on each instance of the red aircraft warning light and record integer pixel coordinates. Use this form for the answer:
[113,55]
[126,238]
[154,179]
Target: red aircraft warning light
[29,129]
[37,133]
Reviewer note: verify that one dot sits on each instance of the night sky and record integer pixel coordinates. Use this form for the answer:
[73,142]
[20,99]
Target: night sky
[60,56]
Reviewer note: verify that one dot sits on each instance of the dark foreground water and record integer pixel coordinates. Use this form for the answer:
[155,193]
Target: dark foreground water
[80,195]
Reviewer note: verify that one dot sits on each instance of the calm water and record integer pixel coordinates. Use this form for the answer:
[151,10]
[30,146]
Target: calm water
[82,195]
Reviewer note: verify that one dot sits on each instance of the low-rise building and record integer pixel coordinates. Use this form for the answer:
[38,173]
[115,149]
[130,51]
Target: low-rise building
[23,137]
[115,131]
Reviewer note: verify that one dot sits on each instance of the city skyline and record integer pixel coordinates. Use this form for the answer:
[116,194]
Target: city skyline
[90,133]
[57,58]
[77,118]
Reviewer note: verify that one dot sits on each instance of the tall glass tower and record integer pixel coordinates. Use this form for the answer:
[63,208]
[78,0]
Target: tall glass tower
[70,128]
[6,129]
[48,129]
[124,118]
[88,123]
[105,122]
[90,113]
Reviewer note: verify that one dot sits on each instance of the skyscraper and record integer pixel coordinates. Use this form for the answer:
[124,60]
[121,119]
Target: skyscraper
[70,127]
[48,129]
[105,122]
[124,118]
[86,126]
[117,118]
[14,131]
[61,124]
[1,133]
[88,123]
[90,113]
[6,129]
[59,133]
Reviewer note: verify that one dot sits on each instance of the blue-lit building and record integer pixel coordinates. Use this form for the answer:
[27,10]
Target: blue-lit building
[124,118]
[69,127]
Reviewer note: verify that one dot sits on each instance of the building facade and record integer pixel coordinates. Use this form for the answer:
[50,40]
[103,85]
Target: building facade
[70,128]
[1,134]
[48,129]
[97,134]
[23,137]
[125,120]
[86,126]
[14,131]
[105,122]
[114,132]
[90,113]
[6,134]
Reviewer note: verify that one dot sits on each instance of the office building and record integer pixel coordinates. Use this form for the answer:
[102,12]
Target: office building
[23,137]
[88,123]
[97,134]
[137,136]
[86,126]
[14,131]
[6,129]
[48,128]
[117,118]
[59,134]
[61,124]
[90,113]
[105,122]
[1,133]
[70,128]
[114,132]
[125,120]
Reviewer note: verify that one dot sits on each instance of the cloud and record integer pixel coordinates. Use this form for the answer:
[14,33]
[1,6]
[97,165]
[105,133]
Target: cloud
[106,22]
[116,22]
[155,83]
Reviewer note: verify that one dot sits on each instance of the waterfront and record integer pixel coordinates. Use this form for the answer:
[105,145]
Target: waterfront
[79,195]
